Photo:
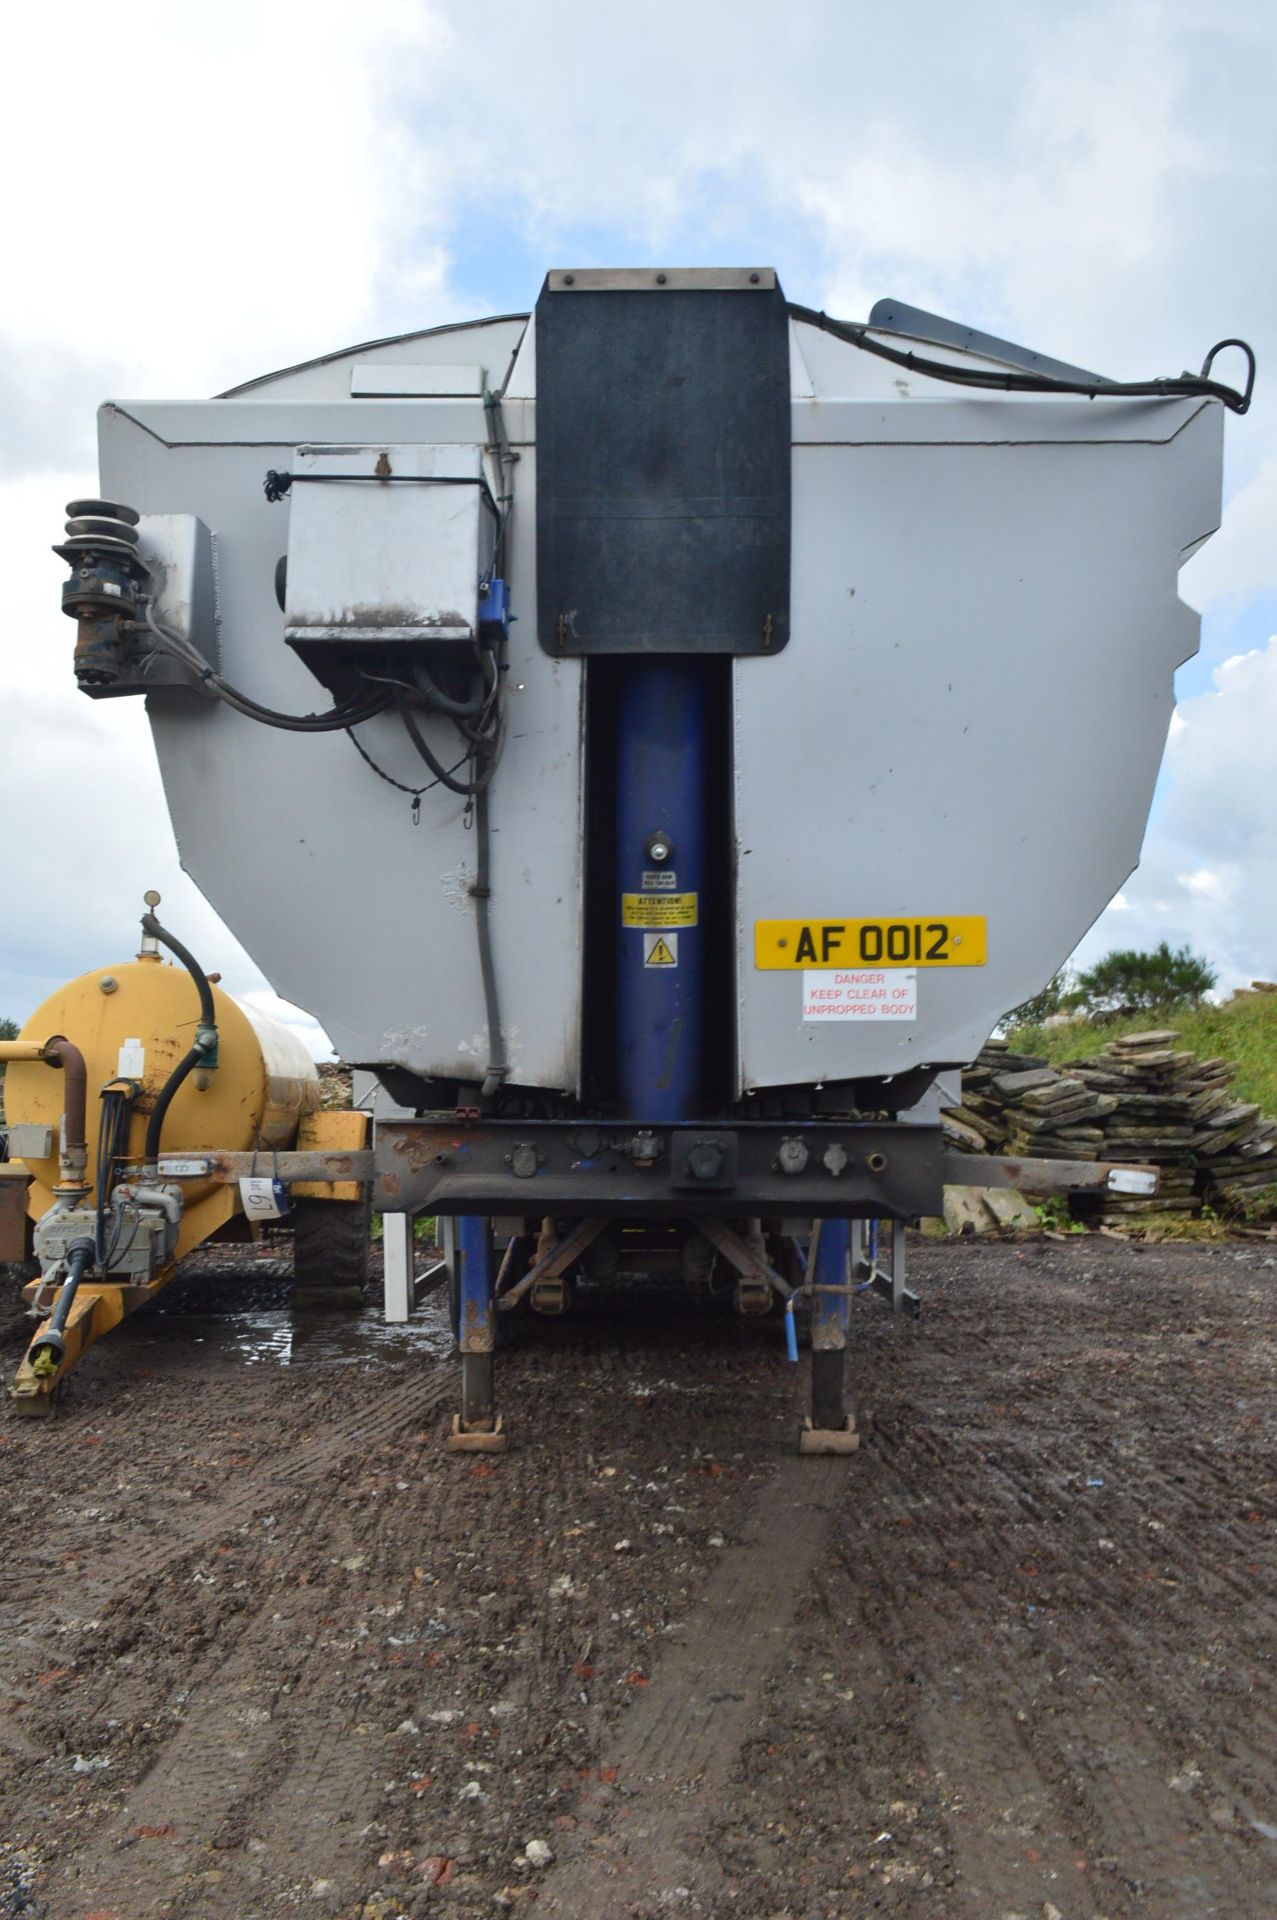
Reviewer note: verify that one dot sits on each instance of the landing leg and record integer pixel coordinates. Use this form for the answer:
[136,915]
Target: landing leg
[477,1428]
[830,1429]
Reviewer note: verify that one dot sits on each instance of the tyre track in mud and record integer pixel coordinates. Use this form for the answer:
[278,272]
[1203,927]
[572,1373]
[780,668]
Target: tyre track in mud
[396,1668]
[1091,1742]
[253,1709]
[674,1752]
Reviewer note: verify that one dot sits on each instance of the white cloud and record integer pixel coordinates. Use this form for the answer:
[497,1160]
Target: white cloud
[87,826]
[206,192]
[1208,876]
[1241,560]
[198,195]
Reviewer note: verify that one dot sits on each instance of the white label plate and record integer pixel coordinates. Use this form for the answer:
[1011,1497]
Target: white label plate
[258,1198]
[888,994]
[1132,1180]
[131,1064]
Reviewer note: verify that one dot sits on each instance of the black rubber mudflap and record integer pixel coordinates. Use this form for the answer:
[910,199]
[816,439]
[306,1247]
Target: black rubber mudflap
[331,1240]
[663,467]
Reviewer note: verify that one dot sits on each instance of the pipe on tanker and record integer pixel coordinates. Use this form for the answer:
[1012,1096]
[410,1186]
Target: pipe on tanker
[61,1052]
[58,1051]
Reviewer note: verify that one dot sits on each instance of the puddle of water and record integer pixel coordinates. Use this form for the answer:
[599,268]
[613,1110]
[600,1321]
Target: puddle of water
[247,1319]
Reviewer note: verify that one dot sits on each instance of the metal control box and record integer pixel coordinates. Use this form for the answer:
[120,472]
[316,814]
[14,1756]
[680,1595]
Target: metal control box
[386,548]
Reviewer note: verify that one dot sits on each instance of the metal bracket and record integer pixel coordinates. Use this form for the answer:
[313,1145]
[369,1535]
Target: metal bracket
[661,280]
[475,1440]
[550,1295]
[751,1267]
[829,1440]
[554,1263]
[753,1297]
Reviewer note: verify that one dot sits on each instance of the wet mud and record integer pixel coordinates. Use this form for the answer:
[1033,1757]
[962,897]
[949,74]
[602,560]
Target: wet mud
[265,1648]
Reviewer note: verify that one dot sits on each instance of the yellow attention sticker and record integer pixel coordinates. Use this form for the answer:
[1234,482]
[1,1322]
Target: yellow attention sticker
[658,909]
[955,940]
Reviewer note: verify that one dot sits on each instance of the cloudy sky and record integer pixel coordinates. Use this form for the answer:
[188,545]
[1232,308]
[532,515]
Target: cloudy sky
[196,195]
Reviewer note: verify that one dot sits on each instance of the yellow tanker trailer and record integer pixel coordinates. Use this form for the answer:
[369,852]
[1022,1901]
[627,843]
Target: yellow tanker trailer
[148,1112]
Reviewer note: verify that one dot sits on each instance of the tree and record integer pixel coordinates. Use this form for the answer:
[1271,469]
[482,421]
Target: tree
[8,1029]
[1128,981]
[1057,996]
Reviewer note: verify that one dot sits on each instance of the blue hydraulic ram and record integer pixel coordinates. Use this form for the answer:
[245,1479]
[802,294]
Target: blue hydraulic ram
[660,861]
[476,1328]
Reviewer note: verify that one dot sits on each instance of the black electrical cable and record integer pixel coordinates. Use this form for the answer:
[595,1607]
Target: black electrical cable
[1180,386]
[278,485]
[414,793]
[112,1146]
[346,714]
[468,789]
[505,457]
[442,702]
[424,685]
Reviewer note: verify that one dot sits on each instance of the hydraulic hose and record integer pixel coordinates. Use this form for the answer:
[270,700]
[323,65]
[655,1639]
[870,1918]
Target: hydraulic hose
[204,1051]
[467,709]
[48,1348]
[467,788]
[152,926]
[198,1056]
[998,380]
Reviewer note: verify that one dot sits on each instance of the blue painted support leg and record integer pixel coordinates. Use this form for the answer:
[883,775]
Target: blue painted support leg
[660,866]
[477,1327]
[830,1316]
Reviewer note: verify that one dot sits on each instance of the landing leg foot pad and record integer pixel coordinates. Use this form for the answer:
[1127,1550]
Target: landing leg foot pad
[475,1440]
[33,1406]
[842,1439]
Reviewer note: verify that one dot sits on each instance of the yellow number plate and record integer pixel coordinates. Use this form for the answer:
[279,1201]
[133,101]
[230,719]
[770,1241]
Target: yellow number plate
[947,941]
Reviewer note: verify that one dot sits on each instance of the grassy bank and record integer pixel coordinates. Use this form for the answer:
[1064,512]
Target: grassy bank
[1243,1031]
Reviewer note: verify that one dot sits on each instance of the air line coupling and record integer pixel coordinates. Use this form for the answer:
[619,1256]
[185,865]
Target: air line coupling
[108,578]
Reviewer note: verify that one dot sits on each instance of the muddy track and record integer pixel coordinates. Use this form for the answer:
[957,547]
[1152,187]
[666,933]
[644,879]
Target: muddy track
[265,1646]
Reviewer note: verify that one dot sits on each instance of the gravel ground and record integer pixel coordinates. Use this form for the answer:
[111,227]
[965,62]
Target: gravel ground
[266,1647]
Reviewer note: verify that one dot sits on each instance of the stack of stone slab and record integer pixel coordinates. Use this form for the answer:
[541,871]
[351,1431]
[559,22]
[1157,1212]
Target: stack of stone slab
[1141,1100]
[1178,1113]
[1013,1103]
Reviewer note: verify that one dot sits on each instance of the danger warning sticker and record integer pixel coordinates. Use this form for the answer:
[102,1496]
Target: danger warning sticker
[658,909]
[885,995]
[660,949]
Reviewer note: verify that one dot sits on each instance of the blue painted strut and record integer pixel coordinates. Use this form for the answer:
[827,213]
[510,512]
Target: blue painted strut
[477,1330]
[830,1314]
[660,864]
